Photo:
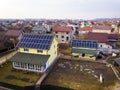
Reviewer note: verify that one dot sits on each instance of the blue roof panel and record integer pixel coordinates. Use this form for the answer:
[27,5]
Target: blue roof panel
[38,41]
[84,43]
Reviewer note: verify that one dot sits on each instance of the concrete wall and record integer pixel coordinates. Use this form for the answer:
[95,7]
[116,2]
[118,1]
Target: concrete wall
[7,57]
[101,31]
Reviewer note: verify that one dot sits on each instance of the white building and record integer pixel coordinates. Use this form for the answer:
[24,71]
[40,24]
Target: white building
[101,29]
[64,34]
[103,44]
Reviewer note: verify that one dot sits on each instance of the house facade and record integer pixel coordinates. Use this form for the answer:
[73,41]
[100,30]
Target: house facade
[101,29]
[64,34]
[36,52]
[38,30]
[84,48]
[84,30]
[103,44]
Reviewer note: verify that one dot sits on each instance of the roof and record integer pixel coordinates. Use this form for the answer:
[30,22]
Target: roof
[100,37]
[37,41]
[84,43]
[102,27]
[38,28]
[113,36]
[30,58]
[86,28]
[117,60]
[62,28]
[86,51]
[13,33]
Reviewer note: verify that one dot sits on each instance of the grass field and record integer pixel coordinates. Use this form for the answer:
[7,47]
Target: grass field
[17,77]
[81,75]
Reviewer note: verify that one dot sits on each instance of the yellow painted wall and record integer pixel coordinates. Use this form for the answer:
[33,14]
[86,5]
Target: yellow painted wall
[52,51]
[31,50]
[86,56]
[84,48]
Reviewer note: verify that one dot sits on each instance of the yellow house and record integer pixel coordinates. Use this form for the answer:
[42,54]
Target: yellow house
[36,52]
[84,48]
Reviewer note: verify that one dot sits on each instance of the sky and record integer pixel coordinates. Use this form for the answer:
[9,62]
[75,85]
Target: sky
[59,9]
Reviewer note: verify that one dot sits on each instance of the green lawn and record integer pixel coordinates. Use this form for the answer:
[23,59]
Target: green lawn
[17,77]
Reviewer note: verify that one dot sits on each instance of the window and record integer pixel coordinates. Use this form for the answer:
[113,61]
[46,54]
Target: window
[83,55]
[67,32]
[39,51]
[16,64]
[67,38]
[26,49]
[38,67]
[62,36]
[55,52]
[23,65]
[57,36]
[30,66]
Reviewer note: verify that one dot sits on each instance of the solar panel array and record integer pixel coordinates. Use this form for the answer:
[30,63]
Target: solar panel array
[38,41]
[84,43]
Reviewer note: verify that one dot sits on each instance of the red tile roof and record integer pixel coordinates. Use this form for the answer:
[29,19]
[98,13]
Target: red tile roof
[13,33]
[101,27]
[62,29]
[100,37]
[113,36]
[87,28]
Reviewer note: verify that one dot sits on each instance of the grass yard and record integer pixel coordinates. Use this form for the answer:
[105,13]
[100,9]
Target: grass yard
[81,75]
[17,77]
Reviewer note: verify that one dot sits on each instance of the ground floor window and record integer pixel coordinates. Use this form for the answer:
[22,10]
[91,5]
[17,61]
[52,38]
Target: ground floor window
[38,67]
[30,66]
[83,55]
[23,65]
[17,64]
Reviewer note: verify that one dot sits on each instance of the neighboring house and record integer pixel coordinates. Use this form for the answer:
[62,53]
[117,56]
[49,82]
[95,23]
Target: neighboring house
[84,48]
[112,39]
[38,30]
[84,24]
[101,29]
[14,34]
[48,27]
[64,34]
[84,30]
[74,26]
[36,52]
[102,38]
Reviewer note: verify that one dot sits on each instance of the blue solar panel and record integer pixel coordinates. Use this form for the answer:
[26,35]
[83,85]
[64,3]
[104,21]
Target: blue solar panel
[36,41]
[84,43]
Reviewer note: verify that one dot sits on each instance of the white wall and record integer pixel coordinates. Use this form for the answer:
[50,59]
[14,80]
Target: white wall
[64,40]
[104,48]
[101,31]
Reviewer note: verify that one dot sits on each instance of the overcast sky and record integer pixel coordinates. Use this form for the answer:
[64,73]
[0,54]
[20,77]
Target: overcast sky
[73,9]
